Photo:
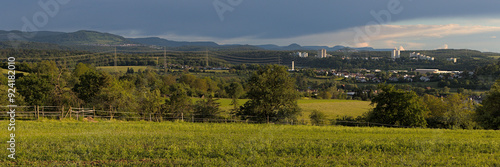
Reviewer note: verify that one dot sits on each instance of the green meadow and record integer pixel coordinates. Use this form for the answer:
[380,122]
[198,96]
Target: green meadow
[140,143]
[333,108]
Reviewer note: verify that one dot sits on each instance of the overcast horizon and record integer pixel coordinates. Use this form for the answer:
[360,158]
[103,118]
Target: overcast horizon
[414,25]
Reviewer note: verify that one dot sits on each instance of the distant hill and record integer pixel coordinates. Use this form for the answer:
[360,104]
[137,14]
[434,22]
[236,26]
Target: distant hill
[89,40]
[94,38]
[85,38]
[25,36]
[168,43]
[61,38]
[297,47]
[32,45]
[97,41]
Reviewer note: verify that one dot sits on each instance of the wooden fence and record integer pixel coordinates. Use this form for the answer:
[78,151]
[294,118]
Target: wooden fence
[60,112]
[53,112]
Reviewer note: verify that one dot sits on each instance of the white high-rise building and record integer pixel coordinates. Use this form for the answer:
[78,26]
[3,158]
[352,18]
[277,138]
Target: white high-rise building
[396,54]
[322,54]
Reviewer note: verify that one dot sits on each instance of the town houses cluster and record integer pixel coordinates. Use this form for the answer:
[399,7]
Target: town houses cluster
[395,54]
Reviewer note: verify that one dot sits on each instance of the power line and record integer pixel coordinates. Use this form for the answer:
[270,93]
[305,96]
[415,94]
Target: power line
[165,58]
[207,57]
[249,58]
[116,70]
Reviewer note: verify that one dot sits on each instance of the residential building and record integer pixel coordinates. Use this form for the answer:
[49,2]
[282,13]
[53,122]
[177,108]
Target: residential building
[322,54]
[419,56]
[302,54]
[424,71]
[396,54]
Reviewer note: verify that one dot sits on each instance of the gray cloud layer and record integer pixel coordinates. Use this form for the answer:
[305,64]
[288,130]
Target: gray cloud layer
[256,18]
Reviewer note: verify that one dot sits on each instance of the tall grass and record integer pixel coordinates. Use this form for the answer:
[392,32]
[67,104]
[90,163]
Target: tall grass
[71,143]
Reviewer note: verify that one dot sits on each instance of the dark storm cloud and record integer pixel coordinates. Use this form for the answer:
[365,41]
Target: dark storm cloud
[257,18]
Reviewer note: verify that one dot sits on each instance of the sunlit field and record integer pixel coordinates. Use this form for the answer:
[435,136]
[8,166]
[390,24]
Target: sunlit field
[333,108]
[116,143]
[123,69]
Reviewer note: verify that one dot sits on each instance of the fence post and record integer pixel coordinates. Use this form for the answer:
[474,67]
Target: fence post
[37,113]
[182,116]
[93,109]
[110,112]
[77,114]
[43,113]
[70,111]
[149,117]
[62,113]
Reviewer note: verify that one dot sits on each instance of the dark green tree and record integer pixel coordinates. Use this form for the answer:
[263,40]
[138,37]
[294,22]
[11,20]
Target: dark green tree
[488,115]
[151,103]
[90,83]
[36,89]
[273,96]
[397,107]
[234,90]
[179,104]
[118,96]
[206,109]
[130,70]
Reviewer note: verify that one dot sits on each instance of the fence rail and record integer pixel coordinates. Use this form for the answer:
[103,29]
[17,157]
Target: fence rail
[59,112]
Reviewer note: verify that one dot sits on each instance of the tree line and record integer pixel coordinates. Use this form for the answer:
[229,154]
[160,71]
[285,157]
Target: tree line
[149,92]
[403,107]
[272,91]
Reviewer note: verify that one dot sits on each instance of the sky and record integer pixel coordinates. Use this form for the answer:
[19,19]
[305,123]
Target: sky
[408,24]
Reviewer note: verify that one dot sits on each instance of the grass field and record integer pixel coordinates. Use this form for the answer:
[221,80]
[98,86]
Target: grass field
[112,143]
[123,69]
[214,74]
[333,108]
[6,71]
[495,57]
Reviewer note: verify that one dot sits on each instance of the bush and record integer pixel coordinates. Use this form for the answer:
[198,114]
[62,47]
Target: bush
[318,118]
